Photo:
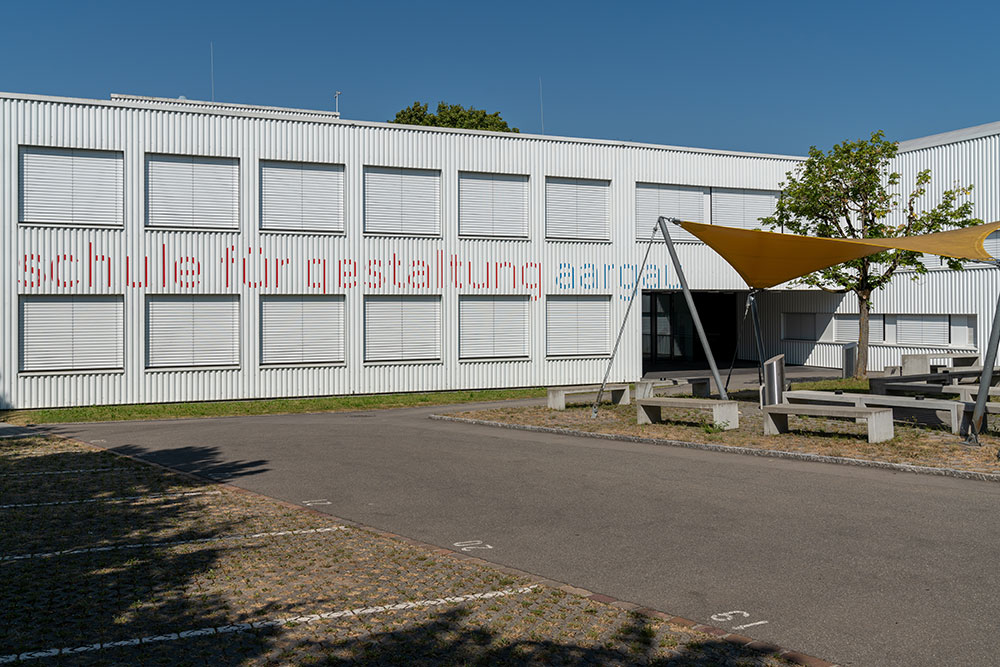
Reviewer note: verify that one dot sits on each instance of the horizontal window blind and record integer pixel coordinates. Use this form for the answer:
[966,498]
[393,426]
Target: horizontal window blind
[72,333]
[577,326]
[296,196]
[923,330]
[846,328]
[992,244]
[302,329]
[798,326]
[674,201]
[492,205]
[402,328]
[192,191]
[71,186]
[201,330]
[733,207]
[402,201]
[577,209]
[492,326]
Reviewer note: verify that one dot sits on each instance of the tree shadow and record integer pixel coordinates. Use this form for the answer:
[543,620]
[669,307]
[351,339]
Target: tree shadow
[205,461]
[448,640]
[73,599]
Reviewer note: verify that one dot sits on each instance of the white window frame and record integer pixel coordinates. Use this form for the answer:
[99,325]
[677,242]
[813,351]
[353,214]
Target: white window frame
[699,210]
[74,338]
[503,329]
[805,317]
[403,231]
[603,299]
[194,365]
[236,195]
[338,228]
[72,154]
[525,206]
[419,329]
[337,301]
[551,234]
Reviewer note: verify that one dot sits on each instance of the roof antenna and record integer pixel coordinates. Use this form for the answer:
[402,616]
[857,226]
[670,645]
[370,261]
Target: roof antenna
[336,101]
[211,51]
[541,107]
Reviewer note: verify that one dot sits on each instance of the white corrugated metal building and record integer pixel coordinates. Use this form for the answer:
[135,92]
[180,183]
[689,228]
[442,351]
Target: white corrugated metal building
[168,250]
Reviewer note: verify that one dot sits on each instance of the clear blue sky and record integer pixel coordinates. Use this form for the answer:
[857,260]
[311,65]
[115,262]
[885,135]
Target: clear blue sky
[771,77]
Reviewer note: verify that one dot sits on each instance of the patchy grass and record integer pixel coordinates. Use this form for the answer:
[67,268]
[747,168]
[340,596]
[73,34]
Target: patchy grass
[915,445]
[852,385]
[111,594]
[262,407]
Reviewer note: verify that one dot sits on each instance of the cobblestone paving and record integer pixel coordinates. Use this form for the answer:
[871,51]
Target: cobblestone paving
[316,592]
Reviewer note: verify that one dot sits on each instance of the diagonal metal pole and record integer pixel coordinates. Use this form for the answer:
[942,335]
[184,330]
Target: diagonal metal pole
[758,334]
[621,330]
[978,424]
[662,222]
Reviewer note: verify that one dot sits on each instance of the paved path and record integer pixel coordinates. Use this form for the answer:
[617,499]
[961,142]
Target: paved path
[861,567]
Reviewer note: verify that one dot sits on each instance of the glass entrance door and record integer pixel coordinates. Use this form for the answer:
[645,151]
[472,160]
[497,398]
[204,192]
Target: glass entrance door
[667,329]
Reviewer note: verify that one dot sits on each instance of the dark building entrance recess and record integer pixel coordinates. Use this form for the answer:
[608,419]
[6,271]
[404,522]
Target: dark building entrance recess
[669,340]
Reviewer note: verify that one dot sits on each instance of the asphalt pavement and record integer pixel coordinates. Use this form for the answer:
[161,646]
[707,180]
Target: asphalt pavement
[854,565]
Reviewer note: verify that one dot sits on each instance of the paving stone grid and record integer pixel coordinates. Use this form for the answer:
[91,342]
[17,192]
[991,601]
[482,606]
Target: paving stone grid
[141,565]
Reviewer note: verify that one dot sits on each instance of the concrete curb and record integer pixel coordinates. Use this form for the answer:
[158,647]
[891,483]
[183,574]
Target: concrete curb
[794,657]
[746,451]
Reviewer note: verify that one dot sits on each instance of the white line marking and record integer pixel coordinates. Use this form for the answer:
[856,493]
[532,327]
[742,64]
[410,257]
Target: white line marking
[185,494]
[62,472]
[148,545]
[748,625]
[276,622]
[321,501]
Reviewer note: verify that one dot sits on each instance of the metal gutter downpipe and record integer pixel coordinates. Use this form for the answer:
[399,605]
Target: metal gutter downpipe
[662,222]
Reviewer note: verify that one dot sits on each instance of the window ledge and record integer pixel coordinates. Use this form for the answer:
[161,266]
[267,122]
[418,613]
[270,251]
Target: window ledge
[187,369]
[303,366]
[82,371]
[486,360]
[405,362]
[303,232]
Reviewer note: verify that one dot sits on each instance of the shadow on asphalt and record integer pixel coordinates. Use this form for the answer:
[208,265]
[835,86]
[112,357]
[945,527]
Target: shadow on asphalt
[445,640]
[204,461]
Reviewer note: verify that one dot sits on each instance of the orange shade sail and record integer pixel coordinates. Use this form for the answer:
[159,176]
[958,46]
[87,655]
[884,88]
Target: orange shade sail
[766,259]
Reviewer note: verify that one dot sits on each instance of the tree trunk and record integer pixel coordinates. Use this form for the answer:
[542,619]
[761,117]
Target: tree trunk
[864,307]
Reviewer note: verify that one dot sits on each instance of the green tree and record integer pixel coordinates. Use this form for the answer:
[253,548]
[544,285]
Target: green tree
[851,193]
[452,115]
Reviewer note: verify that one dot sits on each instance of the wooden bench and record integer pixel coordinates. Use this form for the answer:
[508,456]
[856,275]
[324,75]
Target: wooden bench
[915,364]
[879,420]
[700,387]
[725,414]
[931,412]
[557,395]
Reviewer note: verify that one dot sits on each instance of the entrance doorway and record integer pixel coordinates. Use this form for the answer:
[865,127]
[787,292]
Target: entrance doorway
[669,339]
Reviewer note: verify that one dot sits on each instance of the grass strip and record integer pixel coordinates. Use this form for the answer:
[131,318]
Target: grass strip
[276,406]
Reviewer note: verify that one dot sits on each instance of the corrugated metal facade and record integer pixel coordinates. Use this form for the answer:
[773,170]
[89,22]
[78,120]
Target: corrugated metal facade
[136,261]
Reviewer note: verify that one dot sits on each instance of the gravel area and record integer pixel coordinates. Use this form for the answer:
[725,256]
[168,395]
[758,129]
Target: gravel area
[102,549]
[913,445]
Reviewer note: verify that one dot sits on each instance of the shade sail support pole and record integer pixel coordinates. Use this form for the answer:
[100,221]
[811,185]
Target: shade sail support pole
[979,423]
[758,335]
[662,222]
[621,330]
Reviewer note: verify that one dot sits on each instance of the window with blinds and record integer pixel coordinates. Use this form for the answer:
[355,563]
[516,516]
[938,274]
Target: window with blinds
[492,205]
[302,329]
[192,192]
[846,328]
[68,186]
[72,333]
[923,330]
[798,326]
[577,326]
[402,328]
[674,201]
[577,209]
[492,327]
[201,330]
[732,207]
[296,196]
[404,202]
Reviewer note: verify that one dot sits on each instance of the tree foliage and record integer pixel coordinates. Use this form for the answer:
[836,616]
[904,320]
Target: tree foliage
[851,193]
[452,115]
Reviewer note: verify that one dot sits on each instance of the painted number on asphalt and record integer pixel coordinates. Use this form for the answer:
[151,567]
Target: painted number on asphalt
[735,615]
[469,545]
